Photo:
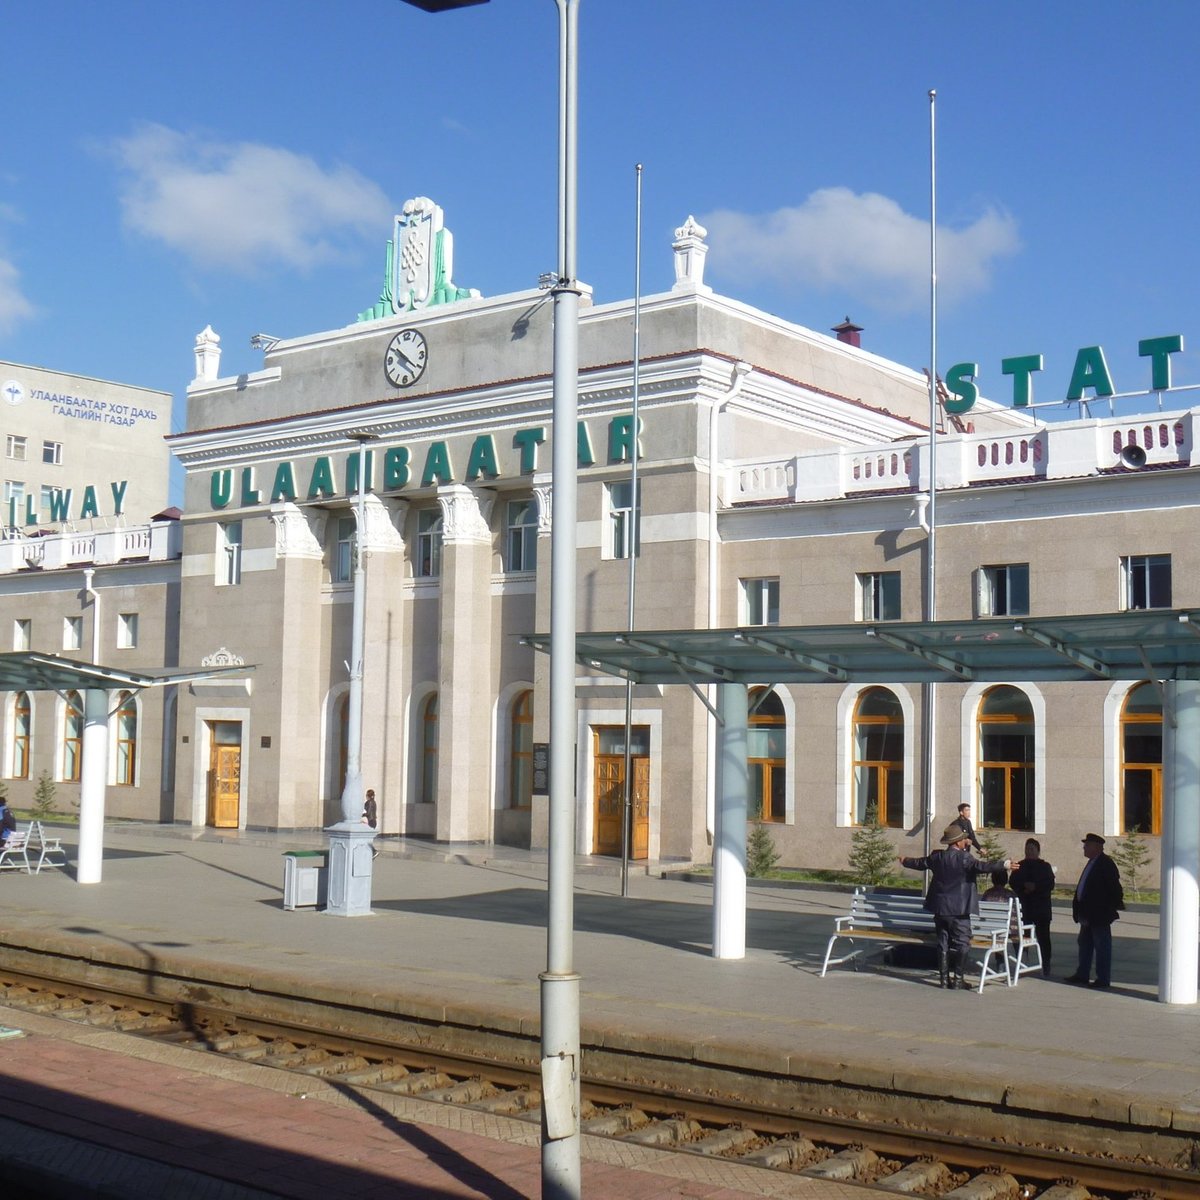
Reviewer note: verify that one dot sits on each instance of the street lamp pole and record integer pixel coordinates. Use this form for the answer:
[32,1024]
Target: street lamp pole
[561,1171]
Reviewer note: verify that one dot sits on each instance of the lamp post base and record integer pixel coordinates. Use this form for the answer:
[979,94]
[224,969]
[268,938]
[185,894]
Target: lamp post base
[351,865]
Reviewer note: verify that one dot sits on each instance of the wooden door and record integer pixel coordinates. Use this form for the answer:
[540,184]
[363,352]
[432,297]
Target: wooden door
[225,774]
[609,790]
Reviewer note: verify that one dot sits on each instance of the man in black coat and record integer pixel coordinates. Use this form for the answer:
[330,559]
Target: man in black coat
[1033,883]
[963,821]
[952,898]
[1098,896]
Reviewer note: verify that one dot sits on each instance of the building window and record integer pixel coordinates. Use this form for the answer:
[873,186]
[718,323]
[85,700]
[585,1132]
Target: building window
[1141,760]
[14,498]
[127,732]
[343,551]
[624,519]
[521,536]
[1146,581]
[878,766]
[1006,746]
[429,742]
[229,554]
[21,726]
[49,492]
[1004,591]
[760,602]
[766,757]
[521,742]
[127,630]
[16,447]
[23,634]
[879,596]
[429,543]
[72,738]
[72,633]
[52,453]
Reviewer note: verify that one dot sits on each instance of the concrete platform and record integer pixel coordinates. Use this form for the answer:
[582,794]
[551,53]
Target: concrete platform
[457,935]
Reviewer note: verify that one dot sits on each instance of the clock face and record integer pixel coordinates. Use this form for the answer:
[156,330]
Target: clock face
[405,359]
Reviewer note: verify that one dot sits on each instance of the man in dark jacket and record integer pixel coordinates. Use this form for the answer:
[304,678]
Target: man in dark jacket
[963,821]
[952,898]
[1098,896]
[1033,883]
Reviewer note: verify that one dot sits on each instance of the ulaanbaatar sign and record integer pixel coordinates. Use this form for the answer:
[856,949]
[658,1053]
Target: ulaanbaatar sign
[1091,371]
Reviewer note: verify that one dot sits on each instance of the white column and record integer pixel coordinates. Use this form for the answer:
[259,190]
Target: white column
[93,777]
[729,834]
[1179,921]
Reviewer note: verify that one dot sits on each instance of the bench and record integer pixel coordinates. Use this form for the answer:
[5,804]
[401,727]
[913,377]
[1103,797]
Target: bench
[891,918]
[49,850]
[14,855]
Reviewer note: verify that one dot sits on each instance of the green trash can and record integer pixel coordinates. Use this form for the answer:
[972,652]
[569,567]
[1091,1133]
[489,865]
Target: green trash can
[305,876]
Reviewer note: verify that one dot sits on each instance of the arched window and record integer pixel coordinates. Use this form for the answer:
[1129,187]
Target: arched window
[1141,760]
[766,757]
[20,739]
[341,725]
[72,743]
[127,734]
[429,741]
[521,750]
[1006,746]
[879,758]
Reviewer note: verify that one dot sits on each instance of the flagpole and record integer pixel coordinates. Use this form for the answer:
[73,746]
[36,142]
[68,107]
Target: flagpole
[929,693]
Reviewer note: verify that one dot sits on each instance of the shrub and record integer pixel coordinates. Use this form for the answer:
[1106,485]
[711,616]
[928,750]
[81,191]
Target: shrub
[43,797]
[1132,858]
[761,855]
[872,854]
[990,846]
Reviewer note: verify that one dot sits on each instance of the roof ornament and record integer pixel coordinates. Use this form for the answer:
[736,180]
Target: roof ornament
[690,250]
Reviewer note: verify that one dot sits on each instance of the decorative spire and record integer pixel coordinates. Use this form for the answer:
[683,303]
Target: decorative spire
[690,250]
[208,355]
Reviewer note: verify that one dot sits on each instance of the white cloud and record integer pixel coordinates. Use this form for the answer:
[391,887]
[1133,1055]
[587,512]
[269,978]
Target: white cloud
[14,307]
[242,206]
[866,245]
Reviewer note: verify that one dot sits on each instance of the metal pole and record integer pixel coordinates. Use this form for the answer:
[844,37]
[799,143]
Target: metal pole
[929,690]
[561,1168]
[627,807]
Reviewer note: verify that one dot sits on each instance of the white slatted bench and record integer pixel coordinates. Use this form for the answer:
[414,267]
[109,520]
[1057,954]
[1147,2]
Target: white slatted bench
[49,850]
[14,856]
[899,918]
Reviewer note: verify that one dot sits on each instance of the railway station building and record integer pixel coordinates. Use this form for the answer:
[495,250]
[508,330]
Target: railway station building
[783,480]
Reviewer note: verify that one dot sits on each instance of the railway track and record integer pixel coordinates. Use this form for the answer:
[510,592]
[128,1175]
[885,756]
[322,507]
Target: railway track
[821,1145]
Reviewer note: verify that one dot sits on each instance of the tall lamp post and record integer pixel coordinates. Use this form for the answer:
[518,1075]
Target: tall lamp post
[561,1174]
[350,857]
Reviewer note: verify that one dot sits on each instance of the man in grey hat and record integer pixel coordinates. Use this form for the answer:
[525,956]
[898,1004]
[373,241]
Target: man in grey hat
[953,899]
[1098,896]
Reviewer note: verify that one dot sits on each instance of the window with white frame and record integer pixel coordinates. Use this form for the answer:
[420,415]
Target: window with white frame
[52,453]
[127,630]
[229,553]
[49,491]
[1004,591]
[14,492]
[16,447]
[428,563]
[879,596]
[71,767]
[23,633]
[126,740]
[624,519]
[760,602]
[72,633]
[343,551]
[1146,581]
[521,529]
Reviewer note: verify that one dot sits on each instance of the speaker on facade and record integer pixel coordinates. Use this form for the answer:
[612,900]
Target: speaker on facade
[1133,457]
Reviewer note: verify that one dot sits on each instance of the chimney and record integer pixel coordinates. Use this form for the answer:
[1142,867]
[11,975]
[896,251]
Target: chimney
[848,332]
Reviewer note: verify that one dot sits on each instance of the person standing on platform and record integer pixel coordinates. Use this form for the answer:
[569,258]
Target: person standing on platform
[963,821]
[953,899]
[8,823]
[1098,897]
[370,816]
[1033,882]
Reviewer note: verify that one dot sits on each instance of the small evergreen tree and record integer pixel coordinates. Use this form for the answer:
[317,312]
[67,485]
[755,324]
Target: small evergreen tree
[1132,857]
[43,797]
[871,852]
[761,855]
[990,846]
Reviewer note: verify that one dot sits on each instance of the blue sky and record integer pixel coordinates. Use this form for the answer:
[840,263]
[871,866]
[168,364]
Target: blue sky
[165,167]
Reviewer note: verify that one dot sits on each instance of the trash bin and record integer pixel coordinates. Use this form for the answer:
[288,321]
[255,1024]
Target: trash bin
[305,873]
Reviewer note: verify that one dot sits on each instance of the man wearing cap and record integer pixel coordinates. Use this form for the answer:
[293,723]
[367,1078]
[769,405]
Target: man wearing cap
[952,898]
[1098,896]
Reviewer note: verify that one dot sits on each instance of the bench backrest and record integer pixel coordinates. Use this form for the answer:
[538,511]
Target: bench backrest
[887,910]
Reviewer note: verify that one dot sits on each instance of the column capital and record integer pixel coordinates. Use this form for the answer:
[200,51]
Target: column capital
[298,532]
[466,513]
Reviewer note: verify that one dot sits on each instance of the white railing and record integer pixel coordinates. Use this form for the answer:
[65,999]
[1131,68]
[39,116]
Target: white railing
[1066,450]
[158,542]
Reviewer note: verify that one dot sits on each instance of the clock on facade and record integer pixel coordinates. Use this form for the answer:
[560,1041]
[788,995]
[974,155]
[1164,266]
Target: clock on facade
[405,358]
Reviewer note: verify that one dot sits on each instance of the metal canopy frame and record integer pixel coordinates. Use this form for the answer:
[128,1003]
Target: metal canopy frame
[28,671]
[1157,645]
